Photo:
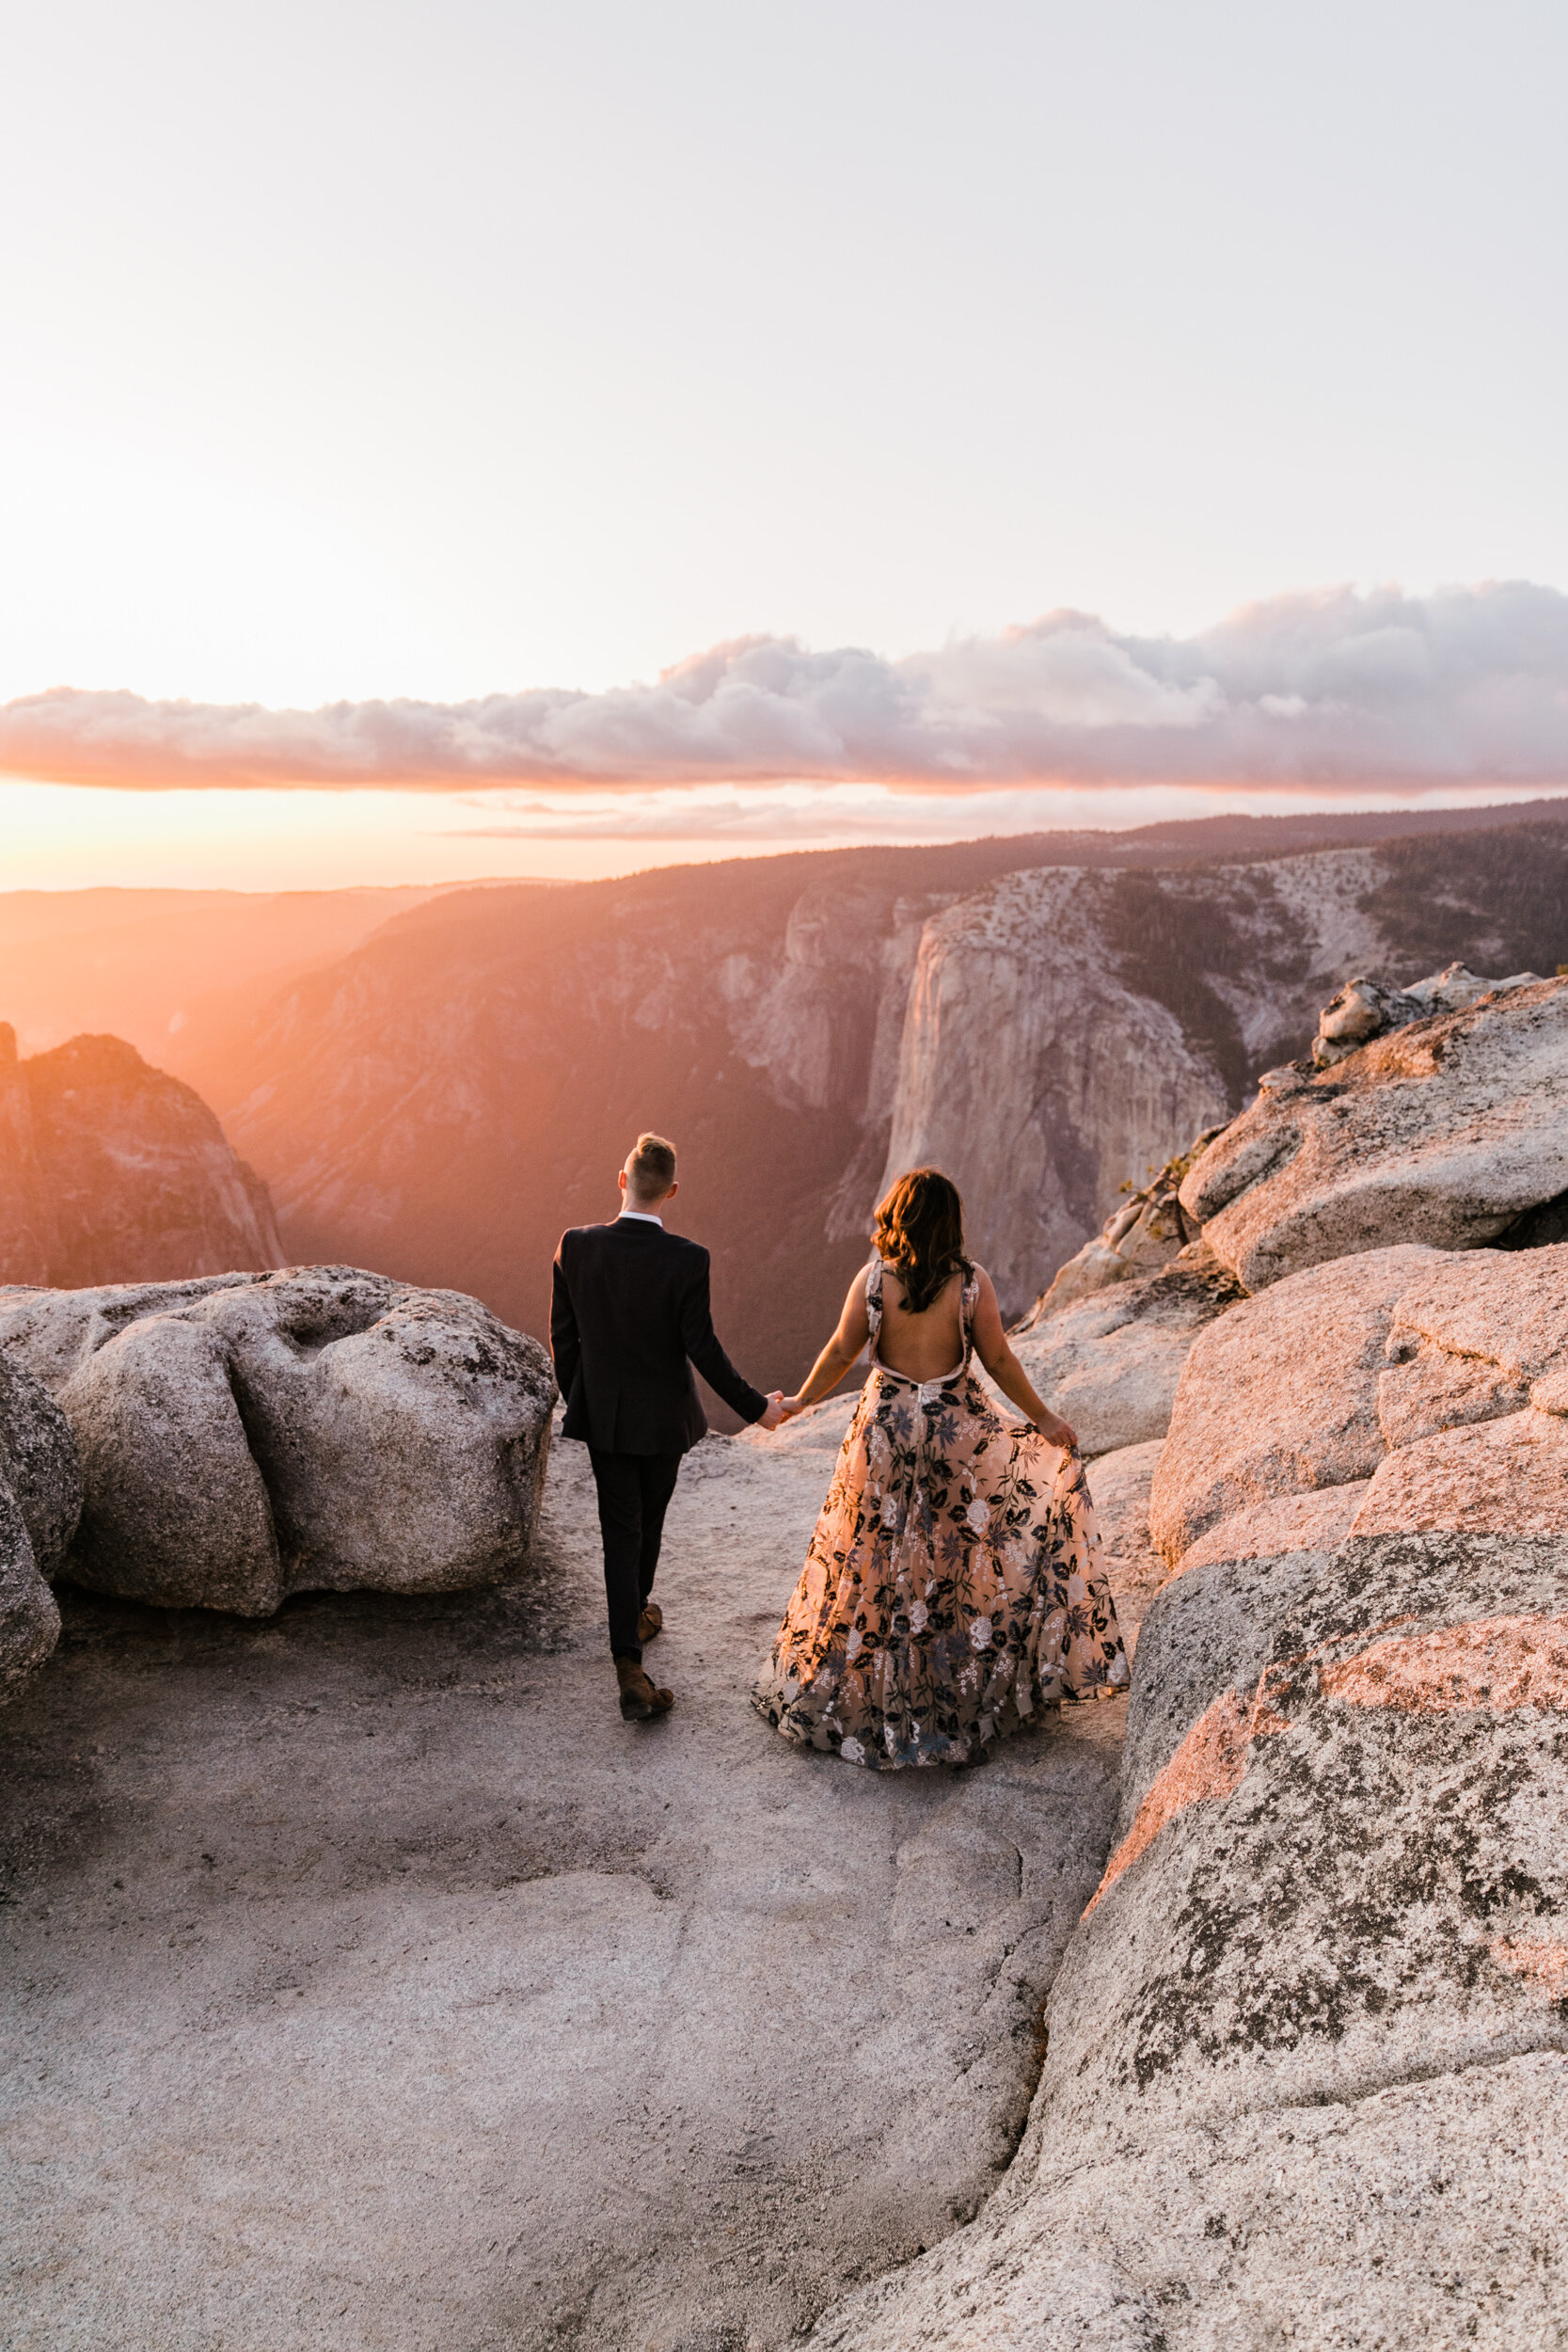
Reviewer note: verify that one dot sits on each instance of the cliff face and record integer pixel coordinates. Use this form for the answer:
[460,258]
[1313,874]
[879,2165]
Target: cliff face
[1030,1073]
[444,1102]
[111,1172]
[1068,1030]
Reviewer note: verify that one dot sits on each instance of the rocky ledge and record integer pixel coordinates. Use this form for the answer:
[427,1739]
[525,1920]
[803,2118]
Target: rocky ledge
[1452,1131]
[1309,2047]
[1305,2049]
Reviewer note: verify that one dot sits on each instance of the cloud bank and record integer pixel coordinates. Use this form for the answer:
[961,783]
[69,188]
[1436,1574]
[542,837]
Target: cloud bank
[1328,690]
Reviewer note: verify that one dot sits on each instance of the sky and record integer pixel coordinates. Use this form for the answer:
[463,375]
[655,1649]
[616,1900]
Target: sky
[498,438]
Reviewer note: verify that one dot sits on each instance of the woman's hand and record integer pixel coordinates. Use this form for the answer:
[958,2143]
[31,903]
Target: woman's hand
[990,1345]
[1052,1428]
[790,1405]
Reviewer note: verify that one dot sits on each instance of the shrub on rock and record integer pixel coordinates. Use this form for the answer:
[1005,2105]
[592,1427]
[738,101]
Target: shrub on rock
[1145,1232]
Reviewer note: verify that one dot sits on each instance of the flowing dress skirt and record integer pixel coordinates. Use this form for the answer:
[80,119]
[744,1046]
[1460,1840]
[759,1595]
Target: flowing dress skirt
[954,1585]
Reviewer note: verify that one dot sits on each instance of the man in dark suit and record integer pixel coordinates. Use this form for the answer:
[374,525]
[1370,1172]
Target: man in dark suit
[628,1319]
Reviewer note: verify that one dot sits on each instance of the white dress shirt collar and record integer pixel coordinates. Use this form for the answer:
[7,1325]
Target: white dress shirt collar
[640,1216]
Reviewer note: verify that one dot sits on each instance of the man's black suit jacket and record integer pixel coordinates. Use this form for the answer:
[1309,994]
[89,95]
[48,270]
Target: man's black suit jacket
[628,1319]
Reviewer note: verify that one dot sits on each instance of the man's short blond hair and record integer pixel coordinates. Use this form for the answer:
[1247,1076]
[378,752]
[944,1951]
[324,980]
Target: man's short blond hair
[651,1170]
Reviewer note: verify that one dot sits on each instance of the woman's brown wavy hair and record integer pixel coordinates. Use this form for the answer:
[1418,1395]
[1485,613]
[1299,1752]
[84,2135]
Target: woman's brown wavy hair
[920,1231]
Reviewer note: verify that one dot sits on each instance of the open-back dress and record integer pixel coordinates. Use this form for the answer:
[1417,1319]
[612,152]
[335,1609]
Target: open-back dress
[954,1584]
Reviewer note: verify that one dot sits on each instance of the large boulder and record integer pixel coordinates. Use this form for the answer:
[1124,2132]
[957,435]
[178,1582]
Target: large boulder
[39,1464]
[29,1617]
[40,1500]
[175,1508]
[1308,2049]
[1364,1008]
[249,1436]
[1279,1396]
[1450,1131]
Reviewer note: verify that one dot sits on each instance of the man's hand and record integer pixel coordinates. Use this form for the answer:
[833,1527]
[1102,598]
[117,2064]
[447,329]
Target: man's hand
[773,1412]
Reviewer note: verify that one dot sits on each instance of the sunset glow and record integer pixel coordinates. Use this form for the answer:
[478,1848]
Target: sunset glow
[76,837]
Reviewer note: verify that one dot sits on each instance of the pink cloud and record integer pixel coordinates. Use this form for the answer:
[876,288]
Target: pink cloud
[1328,690]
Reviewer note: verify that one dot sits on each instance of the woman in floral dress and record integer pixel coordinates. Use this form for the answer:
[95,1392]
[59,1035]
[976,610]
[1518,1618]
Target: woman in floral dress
[954,1584]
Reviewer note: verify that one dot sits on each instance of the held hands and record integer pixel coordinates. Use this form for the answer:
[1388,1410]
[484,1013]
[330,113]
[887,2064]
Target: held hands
[773,1412]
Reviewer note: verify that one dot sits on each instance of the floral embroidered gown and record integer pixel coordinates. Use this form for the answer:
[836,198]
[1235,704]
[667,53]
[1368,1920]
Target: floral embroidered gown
[954,1584]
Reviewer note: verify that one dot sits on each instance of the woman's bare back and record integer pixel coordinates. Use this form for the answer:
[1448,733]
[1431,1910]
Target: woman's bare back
[924,1347]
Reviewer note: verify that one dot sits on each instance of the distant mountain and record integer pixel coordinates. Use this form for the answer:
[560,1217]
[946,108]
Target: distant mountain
[439,1102]
[158,966]
[111,1172]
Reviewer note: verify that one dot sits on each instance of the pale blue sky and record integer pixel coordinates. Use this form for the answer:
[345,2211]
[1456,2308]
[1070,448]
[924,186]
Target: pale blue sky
[437,350]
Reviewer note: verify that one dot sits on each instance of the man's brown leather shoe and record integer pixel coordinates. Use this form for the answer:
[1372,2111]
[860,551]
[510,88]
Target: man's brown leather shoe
[650,1622]
[639,1700]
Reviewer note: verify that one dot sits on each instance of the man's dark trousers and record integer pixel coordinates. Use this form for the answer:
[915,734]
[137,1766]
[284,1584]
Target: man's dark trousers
[629,1318]
[634,1495]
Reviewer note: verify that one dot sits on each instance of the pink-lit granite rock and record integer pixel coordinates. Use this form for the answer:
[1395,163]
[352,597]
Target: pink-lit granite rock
[1317,1520]
[1507,1477]
[1446,1131]
[1307,2078]
[1280,1396]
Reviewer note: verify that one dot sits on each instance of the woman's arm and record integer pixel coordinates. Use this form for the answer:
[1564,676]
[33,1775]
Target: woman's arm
[990,1345]
[854,1329]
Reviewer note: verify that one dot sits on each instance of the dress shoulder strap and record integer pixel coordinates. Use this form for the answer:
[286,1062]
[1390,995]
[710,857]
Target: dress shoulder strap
[874,1299]
[967,1300]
